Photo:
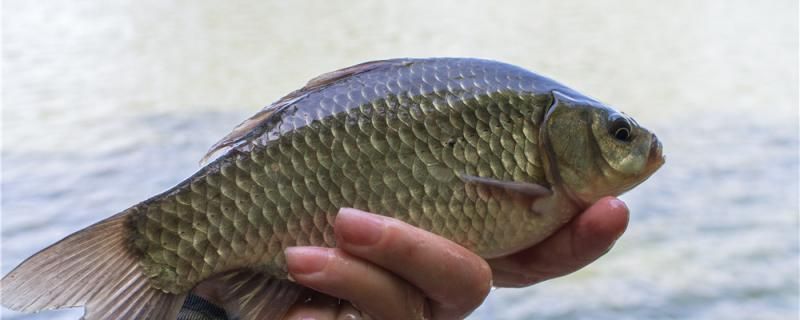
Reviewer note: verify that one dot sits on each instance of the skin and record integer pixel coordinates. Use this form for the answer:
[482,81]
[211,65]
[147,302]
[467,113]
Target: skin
[391,270]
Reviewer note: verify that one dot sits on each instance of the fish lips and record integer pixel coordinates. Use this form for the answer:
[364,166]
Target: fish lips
[656,157]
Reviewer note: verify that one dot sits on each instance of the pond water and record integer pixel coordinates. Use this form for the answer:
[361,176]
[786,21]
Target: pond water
[106,103]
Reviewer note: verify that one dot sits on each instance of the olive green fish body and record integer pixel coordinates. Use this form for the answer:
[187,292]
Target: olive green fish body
[489,155]
[392,140]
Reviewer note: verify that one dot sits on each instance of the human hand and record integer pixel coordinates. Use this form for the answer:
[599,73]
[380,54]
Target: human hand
[393,277]
[389,270]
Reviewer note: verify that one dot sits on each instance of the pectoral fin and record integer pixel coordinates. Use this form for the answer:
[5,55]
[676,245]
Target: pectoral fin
[521,188]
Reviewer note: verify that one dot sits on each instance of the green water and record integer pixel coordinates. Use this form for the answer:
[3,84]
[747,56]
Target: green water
[108,102]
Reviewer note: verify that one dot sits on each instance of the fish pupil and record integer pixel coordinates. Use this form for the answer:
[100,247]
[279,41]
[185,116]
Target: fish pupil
[622,134]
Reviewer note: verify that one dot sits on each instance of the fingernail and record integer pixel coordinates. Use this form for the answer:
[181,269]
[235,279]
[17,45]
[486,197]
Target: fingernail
[306,260]
[617,203]
[358,227]
[621,205]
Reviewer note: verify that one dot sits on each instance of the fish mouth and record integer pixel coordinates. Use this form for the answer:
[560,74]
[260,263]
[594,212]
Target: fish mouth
[656,157]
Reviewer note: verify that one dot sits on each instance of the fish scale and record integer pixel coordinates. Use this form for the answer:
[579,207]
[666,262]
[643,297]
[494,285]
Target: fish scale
[367,143]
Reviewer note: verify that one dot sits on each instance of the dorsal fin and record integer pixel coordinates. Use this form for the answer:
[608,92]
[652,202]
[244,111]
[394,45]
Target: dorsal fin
[240,133]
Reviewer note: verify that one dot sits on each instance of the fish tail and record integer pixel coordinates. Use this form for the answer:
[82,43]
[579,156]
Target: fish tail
[95,268]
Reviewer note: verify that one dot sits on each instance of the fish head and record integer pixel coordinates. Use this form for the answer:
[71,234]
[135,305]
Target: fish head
[592,150]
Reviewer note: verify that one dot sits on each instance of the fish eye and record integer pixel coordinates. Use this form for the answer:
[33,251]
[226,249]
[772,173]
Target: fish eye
[620,128]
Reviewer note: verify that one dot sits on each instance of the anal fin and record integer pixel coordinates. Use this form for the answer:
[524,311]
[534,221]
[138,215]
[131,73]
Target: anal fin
[250,295]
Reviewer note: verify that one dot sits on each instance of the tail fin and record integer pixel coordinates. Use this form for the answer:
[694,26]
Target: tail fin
[93,268]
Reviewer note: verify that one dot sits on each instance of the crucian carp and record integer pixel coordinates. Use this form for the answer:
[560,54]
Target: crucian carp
[487,154]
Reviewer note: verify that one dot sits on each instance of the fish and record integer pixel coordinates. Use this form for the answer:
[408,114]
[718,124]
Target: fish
[484,153]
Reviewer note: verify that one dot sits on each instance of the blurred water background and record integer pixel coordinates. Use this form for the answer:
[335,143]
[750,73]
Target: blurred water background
[106,103]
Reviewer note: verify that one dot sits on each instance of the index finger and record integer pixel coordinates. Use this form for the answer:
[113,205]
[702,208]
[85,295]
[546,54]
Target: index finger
[456,279]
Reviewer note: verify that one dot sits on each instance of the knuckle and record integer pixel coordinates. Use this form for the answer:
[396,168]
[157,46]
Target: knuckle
[401,240]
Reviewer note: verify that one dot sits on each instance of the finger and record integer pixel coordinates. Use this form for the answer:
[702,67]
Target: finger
[374,290]
[590,235]
[456,279]
[315,306]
